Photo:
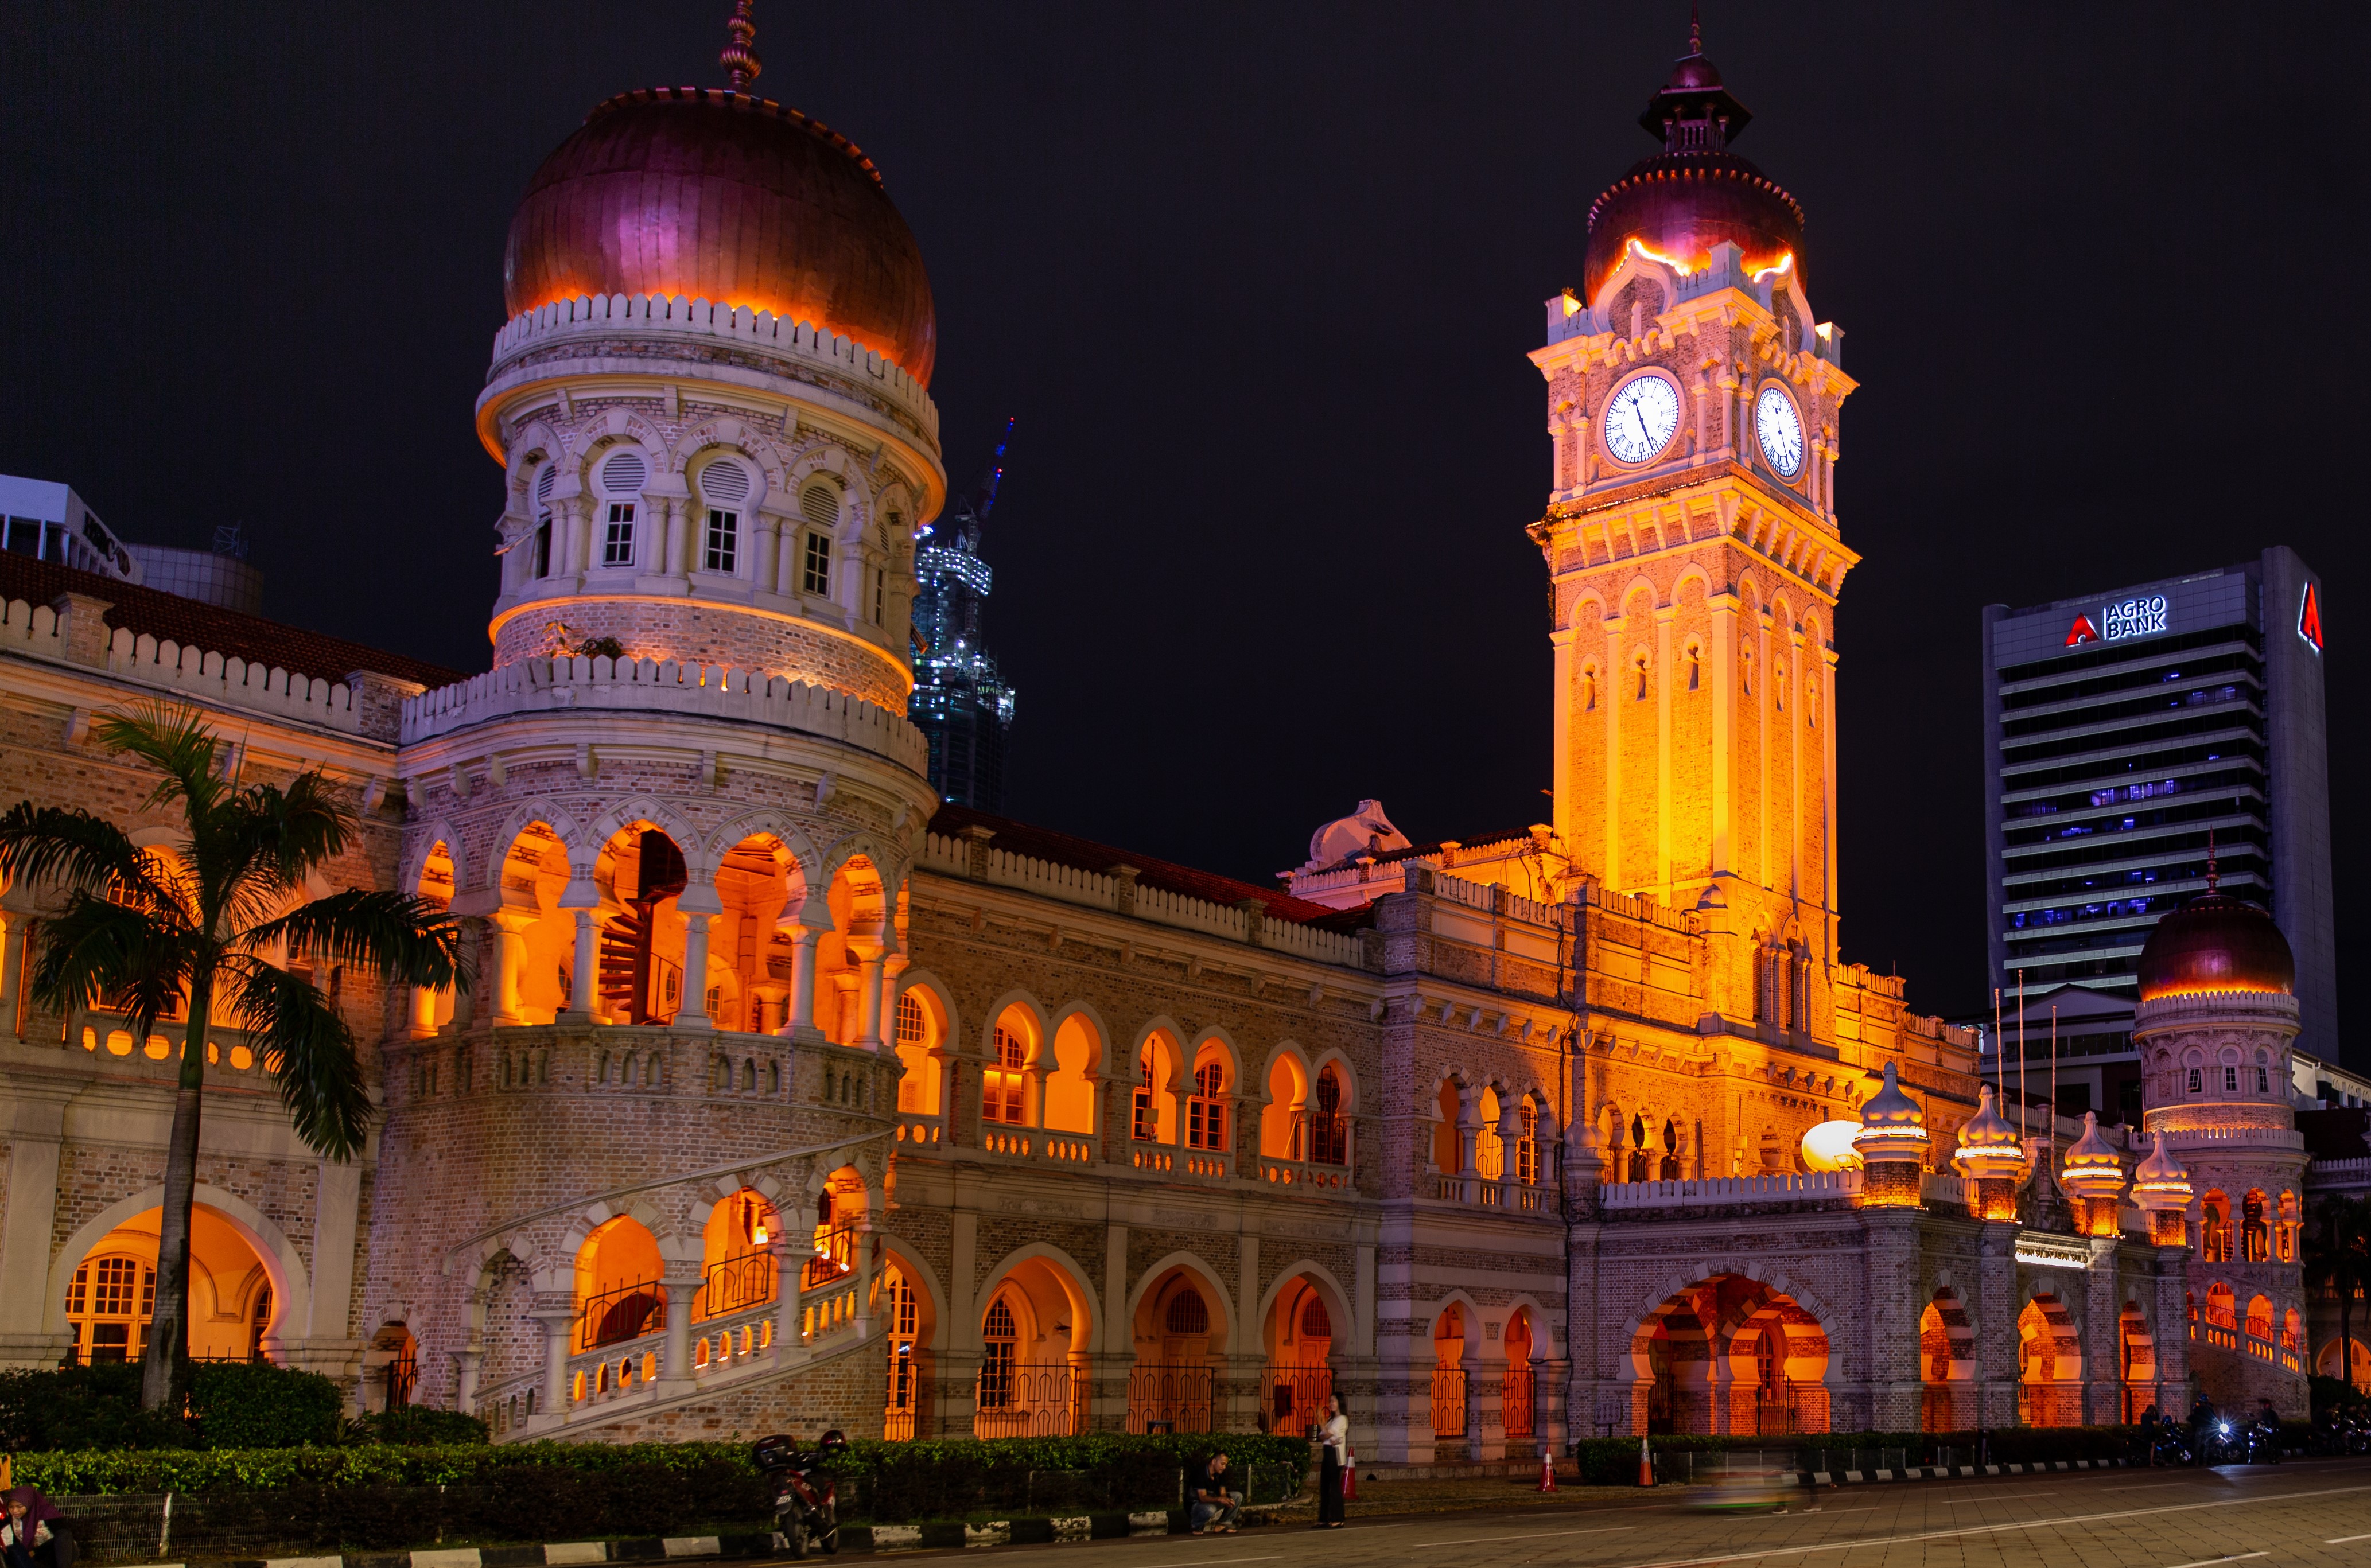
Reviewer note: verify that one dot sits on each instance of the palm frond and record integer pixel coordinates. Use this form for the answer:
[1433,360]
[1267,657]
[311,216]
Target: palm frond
[410,940]
[98,951]
[67,845]
[173,738]
[308,1051]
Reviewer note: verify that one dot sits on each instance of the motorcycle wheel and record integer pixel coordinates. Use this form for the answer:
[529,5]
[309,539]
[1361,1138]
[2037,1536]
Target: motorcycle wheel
[828,1537]
[796,1533]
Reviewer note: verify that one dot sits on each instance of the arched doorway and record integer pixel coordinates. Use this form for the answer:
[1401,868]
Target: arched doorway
[1517,1401]
[1179,1333]
[2136,1362]
[1449,1373]
[1947,1366]
[1299,1335]
[912,1328]
[640,872]
[738,1279]
[111,1296]
[2049,1365]
[1731,1354]
[1033,1335]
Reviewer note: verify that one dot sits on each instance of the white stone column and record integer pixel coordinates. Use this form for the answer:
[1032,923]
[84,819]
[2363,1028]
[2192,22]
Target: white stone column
[510,950]
[465,1362]
[575,521]
[559,1323]
[699,906]
[681,1292]
[792,1249]
[582,899]
[36,1125]
[676,513]
[805,927]
[868,995]
[767,538]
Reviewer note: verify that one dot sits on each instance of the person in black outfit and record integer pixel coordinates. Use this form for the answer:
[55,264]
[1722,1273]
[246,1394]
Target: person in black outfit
[1334,1433]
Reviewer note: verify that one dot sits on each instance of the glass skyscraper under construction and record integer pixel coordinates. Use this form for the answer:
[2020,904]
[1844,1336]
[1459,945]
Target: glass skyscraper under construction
[960,702]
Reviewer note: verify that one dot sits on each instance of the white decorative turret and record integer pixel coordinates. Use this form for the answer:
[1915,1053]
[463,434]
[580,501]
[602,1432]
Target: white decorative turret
[2161,1187]
[1893,1144]
[1991,1157]
[2093,1175]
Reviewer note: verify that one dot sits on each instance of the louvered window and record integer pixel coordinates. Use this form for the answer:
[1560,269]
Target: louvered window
[623,473]
[725,483]
[819,504]
[818,568]
[543,483]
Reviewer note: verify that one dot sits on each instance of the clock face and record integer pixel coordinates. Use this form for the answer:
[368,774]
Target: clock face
[1641,418]
[1780,429]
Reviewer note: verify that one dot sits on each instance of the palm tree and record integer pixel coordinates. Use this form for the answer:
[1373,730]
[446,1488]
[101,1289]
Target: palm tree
[145,933]
[2339,1260]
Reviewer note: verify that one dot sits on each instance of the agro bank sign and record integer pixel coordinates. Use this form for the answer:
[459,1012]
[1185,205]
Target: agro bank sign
[2143,615]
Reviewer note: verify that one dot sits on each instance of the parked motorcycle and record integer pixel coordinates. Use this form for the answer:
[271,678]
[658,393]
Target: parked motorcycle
[2173,1446]
[806,1505]
[2259,1442]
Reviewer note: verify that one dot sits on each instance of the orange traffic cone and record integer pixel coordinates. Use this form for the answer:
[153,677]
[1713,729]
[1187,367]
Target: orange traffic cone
[1646,1465]
[1547,1472]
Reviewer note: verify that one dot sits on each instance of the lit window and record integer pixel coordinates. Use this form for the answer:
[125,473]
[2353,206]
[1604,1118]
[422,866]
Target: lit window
[913,1027]
[818,566]
[1206,1114]
[109,1305]
[1146,1124]
[1000,1337]
[617,542]
[724,552]
[880,594]
[1527,1152]
[2262,1086]
[1329,1140]
[1001,1098]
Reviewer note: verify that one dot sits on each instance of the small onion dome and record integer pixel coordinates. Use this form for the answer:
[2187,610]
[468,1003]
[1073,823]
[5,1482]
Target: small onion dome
[2091,1169]
[717,195]
[1989,1149]
[1892,1125]
[2160,1182]
[1696,193]
[2216,942]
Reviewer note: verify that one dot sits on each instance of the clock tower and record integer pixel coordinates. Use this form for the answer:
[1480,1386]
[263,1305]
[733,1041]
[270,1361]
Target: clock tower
[1692,539]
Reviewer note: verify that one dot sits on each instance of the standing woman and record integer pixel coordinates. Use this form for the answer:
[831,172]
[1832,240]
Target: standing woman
[1336,1434]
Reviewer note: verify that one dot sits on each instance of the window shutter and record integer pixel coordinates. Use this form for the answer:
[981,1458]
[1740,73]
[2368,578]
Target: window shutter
[622,474]
[544,481]
[725,483]
[820,505]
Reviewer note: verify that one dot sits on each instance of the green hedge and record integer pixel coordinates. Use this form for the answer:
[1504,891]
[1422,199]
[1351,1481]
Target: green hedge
[892,1481]
[231,1406]
[1613,1461]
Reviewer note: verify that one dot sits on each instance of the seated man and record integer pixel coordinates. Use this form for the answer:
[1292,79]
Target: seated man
[1215,1507]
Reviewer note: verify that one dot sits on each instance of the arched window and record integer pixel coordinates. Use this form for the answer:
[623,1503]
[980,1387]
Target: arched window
[259,1318]
[1589,688]
[2260,1319]
[621,485]
[1315,1322]
[1001,1096]
[2217,1226]
[1206,1112]
[819,504]
[1638,665]
[2255,1236]
[541,561]
[108,1309]
[1329,1130]
[1527,1151]
[724,485]
[1001,1354]
[1145,1122]
[1695,666]
[1187,1313]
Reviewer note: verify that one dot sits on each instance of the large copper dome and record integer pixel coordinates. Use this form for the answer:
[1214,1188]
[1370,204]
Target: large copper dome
[2216,942]
[718,195]
[1695,193]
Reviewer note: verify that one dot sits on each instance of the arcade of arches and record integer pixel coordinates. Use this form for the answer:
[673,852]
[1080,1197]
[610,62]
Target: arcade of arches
[111,1294]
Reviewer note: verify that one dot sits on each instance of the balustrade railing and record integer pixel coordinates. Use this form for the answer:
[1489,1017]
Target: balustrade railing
[620,1313]
[1296,1396]
[1028,1399]
[1163,1398]
[835,1258]
[735,1284]
[1449,1402]
[1515,1408]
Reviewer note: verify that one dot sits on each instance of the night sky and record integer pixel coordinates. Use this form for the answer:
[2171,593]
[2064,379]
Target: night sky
[1258,282]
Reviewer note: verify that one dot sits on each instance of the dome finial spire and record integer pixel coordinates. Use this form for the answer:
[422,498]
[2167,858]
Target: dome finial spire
[739,57]
[1695,27]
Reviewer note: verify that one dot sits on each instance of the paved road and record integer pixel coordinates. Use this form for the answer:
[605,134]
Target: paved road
[2303,1513]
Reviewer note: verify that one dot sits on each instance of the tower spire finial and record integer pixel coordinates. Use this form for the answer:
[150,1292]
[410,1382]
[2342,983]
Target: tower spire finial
[1695,27]
[739,57]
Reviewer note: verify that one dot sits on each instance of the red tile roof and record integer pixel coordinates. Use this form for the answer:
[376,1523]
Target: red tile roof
[194,624]
[1064,849]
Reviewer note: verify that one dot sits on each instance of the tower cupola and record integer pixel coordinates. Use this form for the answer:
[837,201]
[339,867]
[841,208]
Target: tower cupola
[1991,1157]
[2093,1175]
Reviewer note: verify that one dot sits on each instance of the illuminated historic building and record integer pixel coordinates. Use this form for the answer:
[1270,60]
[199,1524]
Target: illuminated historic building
[789,1095]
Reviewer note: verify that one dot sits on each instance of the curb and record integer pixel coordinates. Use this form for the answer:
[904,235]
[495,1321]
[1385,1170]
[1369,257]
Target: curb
[1945,1473]
[660,1549]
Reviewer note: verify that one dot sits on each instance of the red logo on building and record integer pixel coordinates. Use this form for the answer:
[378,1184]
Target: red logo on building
[2309,618]
[2083,631]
